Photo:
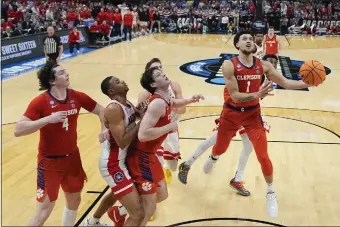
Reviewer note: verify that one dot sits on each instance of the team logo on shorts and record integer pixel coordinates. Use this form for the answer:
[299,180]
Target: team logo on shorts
[40,194]
[211,69]
[118,177]
[146,186]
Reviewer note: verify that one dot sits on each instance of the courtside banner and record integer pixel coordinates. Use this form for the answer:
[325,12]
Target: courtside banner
[25,47]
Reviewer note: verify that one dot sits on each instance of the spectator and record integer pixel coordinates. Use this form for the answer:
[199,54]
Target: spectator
[128,19]
[74,40]
[117,16]
[53,48]
[8,33]
[105,29]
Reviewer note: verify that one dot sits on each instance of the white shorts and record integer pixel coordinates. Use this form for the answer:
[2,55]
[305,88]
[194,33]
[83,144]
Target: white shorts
[115,173]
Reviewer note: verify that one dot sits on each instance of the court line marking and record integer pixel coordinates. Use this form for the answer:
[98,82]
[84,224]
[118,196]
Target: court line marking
[224,219]
[215,115]
[269,141]
[81,219]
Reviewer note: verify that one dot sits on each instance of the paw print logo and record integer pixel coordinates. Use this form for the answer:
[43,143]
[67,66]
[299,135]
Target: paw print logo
[266,126]
[40,193]
[146,186]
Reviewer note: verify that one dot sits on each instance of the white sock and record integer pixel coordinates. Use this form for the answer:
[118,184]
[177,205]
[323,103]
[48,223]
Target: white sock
[93,220]
[122,210]
[271,188]
[247,149]
[205,145]
[69,217]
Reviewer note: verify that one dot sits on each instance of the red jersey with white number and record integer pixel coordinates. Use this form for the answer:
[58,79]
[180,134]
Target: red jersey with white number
[153,145]
[57,139]
[272,45]
[248,80]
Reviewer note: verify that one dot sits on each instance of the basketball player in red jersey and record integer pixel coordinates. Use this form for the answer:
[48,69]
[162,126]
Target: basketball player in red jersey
[55,113]
[168,154]
[271,42]
[142,162]
[120,118]
[243,90]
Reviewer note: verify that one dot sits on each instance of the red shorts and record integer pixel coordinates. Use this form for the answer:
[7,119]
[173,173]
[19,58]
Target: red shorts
[145,170]
[66,171]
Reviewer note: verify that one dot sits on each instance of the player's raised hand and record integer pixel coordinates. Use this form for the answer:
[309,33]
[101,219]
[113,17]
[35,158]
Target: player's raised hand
[104,135]
[57,117]
[265,89]
[196,98]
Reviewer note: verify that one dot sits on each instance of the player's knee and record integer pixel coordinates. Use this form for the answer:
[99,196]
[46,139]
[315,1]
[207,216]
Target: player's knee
[149,210]
[73,201]
[43,213]
[137,213]
[162,196]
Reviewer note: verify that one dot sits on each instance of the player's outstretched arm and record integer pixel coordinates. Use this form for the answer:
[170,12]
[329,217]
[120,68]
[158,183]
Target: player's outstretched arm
[178,91]
[178,103]
[26,126]
[115,117]
[232,86]
[279,79]
[147,130]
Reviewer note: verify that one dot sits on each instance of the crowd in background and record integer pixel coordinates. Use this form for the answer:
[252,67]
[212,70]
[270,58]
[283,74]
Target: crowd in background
[22,17]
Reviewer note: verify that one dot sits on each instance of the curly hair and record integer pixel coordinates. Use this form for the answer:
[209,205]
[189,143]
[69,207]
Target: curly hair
[238,36]
[147,79]
[47,74]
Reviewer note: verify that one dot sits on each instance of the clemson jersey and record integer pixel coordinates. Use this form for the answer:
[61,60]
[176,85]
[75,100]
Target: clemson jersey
[248,80]
[153,145]
[57,139]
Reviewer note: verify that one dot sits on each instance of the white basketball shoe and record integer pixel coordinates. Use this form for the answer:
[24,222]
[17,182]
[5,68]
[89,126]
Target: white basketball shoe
[209,165]
[272,207]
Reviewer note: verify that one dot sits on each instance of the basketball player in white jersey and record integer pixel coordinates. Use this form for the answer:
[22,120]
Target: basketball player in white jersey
[236,183]
[171,144]
[259,53]
[119,117]
[135,22]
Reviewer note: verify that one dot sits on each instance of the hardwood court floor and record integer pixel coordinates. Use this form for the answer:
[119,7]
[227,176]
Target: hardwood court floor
[304,138]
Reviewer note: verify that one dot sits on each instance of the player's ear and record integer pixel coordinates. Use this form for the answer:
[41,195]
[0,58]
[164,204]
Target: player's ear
[153,84]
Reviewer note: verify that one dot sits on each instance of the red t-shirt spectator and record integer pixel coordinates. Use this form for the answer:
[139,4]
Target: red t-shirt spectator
[7,24]
[117,17]
[71,16]
[72,38]
[105,28]
[109,17]
[101,16]
[128,18]
[95,28]
[84,14]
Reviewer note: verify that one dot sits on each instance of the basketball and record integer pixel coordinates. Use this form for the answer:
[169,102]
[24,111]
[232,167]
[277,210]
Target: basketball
[312,72]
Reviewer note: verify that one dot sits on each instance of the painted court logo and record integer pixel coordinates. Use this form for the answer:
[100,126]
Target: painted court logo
[211,70]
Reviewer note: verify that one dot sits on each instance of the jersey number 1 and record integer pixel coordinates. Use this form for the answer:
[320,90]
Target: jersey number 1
[65,124]
[248,86]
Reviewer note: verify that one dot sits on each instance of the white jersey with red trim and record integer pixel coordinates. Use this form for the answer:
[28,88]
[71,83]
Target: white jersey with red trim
[111,152]
[174,116]
[259,51]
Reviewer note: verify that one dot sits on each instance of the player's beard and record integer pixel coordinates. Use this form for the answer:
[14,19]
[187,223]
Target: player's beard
[246,52]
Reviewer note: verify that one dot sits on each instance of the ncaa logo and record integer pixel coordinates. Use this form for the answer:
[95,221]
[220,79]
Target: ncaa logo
[118,177]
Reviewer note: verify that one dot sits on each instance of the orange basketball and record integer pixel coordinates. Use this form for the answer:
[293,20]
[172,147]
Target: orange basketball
[313,73]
